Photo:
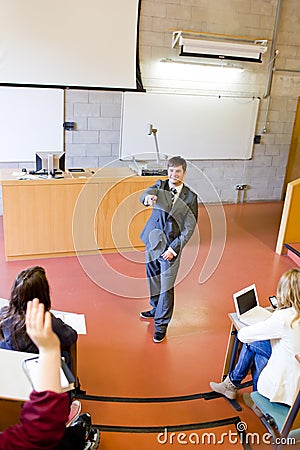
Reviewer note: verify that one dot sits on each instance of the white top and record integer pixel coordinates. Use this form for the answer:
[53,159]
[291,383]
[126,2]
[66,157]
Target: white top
[279,381]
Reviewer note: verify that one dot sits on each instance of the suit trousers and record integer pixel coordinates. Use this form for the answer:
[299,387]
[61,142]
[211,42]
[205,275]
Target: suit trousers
[161,278]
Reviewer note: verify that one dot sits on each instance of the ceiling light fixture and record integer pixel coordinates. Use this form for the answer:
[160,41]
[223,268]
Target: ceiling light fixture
[219,65]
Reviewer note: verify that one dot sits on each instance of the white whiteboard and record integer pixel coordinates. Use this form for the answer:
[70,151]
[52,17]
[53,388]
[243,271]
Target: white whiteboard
[195,127]
[69,42]
[31,120]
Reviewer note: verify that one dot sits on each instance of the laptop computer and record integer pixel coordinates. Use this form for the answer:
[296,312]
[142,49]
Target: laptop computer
[247,306]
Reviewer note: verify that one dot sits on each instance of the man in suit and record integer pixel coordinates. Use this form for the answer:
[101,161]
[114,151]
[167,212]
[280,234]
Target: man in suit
[172,223]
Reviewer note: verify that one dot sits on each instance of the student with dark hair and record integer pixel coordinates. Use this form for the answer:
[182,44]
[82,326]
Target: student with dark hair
[29,284]
[168,230]
[43,417]
[270,349]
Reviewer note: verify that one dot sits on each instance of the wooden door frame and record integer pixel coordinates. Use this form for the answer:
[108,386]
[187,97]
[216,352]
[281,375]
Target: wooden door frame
[293,150]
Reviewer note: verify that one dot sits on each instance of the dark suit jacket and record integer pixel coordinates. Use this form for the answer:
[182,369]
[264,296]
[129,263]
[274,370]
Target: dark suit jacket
[170,225]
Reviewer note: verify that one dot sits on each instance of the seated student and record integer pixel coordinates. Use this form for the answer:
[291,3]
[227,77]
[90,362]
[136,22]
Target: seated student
[30,283]
[43,417]
[270,348]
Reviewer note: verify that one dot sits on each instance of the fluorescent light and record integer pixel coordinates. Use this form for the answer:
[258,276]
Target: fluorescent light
[221,64]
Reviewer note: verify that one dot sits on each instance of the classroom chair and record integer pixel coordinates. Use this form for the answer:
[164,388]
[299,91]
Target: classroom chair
[281,421]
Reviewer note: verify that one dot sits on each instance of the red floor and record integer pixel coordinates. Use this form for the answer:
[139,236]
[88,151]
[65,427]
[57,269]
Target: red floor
[118,358]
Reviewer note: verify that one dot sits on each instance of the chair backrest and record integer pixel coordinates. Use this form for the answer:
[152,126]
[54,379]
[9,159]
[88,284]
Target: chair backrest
[292,420]
[280,420]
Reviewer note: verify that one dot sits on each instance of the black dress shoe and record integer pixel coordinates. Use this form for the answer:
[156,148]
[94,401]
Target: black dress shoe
[159,337]
[147,314]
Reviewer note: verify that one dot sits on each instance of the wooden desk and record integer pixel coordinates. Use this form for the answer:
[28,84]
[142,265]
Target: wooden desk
[78,213]
[234,345]
[14,384]
[15,387]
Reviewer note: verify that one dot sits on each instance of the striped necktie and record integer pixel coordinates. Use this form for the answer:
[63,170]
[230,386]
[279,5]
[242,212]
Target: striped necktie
[173,193]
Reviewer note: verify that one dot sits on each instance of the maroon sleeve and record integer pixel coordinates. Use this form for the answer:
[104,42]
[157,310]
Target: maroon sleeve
[42,423]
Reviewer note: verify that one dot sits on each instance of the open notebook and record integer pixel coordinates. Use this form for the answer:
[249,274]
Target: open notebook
[247,306]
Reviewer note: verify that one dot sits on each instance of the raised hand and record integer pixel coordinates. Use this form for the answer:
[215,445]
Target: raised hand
[39,327]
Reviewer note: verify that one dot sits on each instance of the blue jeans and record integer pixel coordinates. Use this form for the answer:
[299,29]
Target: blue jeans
[252,357]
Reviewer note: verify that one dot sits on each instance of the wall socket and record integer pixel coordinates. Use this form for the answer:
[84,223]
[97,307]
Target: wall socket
[241,187]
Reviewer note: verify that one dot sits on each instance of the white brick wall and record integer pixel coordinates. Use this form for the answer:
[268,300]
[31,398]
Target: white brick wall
[97,116]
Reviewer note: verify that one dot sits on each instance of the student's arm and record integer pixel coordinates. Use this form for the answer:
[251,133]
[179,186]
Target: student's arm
[149,196]
[42,423]
[39,329]
[44,416]
[271,328]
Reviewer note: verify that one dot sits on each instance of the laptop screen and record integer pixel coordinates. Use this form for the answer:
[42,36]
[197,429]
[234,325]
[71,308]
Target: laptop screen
[246,300]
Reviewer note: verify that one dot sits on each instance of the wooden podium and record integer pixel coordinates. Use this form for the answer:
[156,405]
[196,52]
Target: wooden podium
[84,213]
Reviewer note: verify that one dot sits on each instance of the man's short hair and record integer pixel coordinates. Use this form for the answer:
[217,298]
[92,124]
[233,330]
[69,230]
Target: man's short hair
[176,161]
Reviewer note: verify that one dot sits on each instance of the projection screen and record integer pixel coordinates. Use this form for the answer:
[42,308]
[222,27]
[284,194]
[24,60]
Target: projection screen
[69,43]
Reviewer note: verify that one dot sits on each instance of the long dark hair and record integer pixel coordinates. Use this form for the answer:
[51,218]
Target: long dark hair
[29,284]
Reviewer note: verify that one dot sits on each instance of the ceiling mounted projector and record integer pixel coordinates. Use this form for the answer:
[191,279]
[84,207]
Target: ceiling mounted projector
[233,49]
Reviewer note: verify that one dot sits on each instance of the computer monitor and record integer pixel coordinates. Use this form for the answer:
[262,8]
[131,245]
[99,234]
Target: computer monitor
[50,162]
